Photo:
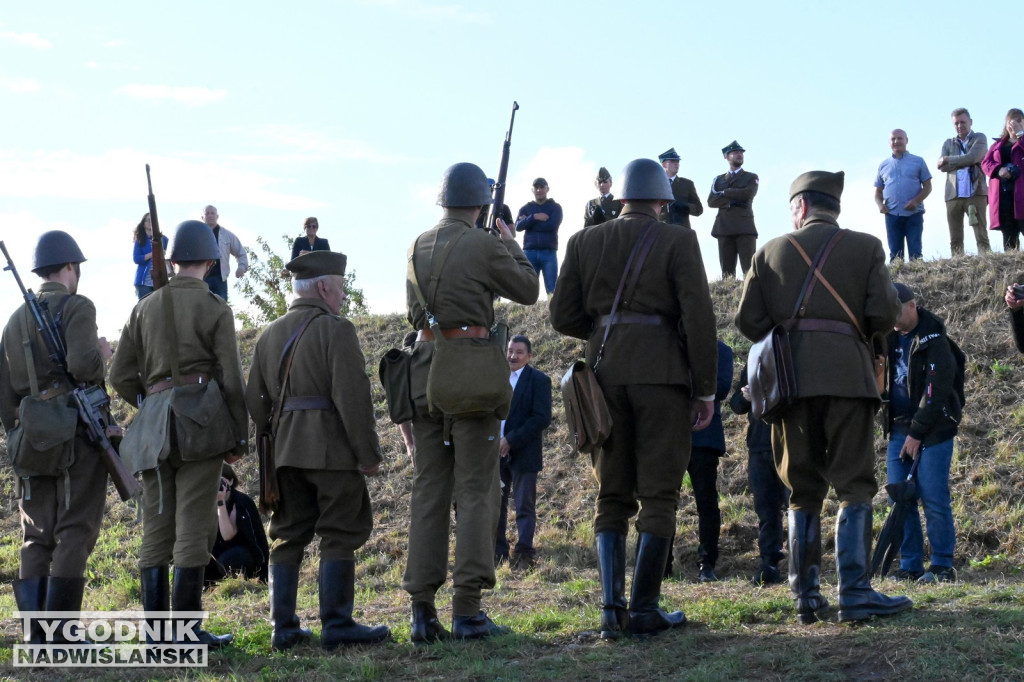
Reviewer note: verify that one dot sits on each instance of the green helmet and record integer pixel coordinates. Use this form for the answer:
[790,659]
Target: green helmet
[464,185]
[193,241]
[56,247]
[645,179]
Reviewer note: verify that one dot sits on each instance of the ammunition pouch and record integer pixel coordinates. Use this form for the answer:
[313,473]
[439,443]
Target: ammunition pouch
[43,442]
[203,427]
[470,376]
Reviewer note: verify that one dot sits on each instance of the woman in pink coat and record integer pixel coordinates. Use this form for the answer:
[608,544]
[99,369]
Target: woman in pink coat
[1003,164]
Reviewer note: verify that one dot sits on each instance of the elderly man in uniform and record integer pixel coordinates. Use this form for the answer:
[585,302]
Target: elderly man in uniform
[685,202]
[325,443]
[178,349]
[657,387]
[603,207]
[732,193]
[61,509]
[457,453]
[827,436]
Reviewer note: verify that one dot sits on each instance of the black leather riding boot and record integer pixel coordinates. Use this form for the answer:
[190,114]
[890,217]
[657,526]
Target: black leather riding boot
[156,596]
[805,565]
[337,593]
[611,563]
[284,586]
[645,616]
[187,595]
[425,627]
[857,600]
[65,594]
[30,595]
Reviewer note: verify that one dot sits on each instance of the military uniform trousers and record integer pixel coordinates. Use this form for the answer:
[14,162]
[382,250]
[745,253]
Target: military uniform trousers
[179,512]
[730,248]
[641,465]
[332,504]
[59,538]
[823,440]
[467,468]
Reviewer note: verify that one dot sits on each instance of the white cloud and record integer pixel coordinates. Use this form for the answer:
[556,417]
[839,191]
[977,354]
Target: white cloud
[19,86]
[440,13]
[311,144]
[193,96]
[29,39]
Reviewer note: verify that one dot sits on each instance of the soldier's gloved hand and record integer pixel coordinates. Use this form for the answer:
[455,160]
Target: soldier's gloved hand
[679,208]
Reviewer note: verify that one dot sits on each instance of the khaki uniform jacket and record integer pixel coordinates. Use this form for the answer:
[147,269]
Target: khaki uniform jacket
[85,362]
[205,329]
[328,362]
[977,146]
[732,195]
[684,190]
[826,364]
[612,207]
[672,284]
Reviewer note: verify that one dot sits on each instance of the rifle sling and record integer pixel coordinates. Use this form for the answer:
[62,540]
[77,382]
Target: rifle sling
[285,368]
[815,271]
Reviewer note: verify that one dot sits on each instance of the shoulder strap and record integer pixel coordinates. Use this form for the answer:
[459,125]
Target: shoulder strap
[815,271]
[435,278]
[285,366]
[172,334]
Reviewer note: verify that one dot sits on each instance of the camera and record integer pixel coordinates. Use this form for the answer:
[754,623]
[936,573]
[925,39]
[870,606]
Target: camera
[223,486]
[1018,292]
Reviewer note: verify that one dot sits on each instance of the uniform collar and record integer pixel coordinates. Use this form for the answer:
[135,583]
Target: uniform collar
[309,302]
[53,287]
[640,209]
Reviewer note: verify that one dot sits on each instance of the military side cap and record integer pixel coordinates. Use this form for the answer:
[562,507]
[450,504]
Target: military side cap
[317,264]
[670,155]
[830,184]
[603,175]
[733,146]
[540,182]
[903,292]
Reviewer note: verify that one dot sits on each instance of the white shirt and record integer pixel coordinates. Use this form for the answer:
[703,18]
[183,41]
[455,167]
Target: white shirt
[513,379]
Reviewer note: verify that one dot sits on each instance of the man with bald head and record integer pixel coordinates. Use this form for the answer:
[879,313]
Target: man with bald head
[217,278]
[901,186]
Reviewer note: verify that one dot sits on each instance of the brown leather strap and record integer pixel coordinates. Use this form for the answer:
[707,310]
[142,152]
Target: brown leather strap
[820,277]
[52,392]
[285,367]
[473,332]
[186,380]
[804,324]
[307,402]
[630,317]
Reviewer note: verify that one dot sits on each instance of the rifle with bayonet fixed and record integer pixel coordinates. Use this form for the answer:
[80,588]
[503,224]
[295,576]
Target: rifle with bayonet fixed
[159,264]
[498,190]
[91,401]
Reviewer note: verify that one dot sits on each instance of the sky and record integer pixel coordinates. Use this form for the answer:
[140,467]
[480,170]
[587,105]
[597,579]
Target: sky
[350,111]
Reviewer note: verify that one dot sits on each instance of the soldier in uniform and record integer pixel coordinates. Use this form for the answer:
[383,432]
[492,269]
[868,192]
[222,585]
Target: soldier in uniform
[60,512]
[604,207]
[178,351]
[685,202]
[732,193]
[655,395]
[827,436]
[457,453]
[325,443]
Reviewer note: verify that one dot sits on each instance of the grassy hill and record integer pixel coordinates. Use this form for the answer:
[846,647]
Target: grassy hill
[973,629]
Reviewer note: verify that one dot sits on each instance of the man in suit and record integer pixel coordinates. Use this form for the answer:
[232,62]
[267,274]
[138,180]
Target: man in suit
[966,184]
[656,387]
[521,450]
[732,193]
[827,436]
[605,206]
[685,202]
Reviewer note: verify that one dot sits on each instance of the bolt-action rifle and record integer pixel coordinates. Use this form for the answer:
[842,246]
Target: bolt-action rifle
[498,190]
[159,264]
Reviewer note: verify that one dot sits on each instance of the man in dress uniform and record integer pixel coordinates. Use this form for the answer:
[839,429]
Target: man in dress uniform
[685,202]
[178,351]
[604,207]
[457,453]
[61,509]
[827,436]
[732,193]
[325,444]
[655,395]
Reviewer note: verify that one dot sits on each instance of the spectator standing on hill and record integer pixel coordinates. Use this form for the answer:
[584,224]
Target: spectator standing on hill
[966,191]
[685,202]
[1003,165]
[142,254]
[902,183]
[827,436]
[732,193]
[228,245]
[920,419]
[311,242]
[648,377]
[603,207]
[540,220]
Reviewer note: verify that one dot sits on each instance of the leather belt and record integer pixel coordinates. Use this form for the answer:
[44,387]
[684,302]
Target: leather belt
[307,402]
[630,317]
[474,332]
[51,393]
[833,326]
[185,380]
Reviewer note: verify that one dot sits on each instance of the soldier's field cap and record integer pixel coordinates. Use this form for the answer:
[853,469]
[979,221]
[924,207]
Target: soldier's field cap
[670,155]
[733,146]
[903,292]
[827,183]
[540,182]
[603,175]
[318,263]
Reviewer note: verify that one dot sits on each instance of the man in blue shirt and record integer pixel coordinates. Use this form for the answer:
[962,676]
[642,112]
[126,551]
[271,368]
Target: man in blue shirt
[540,220]
[901,186]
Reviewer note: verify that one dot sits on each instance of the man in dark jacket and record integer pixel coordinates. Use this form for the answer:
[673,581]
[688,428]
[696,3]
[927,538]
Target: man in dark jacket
[540,220]
[521,450]
[921,420]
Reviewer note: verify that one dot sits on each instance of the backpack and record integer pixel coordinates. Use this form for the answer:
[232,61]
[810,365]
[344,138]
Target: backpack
[961,370]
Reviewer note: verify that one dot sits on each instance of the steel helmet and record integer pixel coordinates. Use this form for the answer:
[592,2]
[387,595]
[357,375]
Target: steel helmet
[56,247]
[464,185]
[645,179]
[193,241]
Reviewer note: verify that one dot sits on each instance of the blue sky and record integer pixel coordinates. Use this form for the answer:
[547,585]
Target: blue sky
[351,111]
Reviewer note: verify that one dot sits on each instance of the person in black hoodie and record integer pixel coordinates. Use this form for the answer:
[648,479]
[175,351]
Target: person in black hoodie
[241,546]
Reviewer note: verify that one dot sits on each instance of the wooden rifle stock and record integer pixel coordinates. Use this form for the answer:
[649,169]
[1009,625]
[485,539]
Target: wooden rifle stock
[159,263]
[499,185]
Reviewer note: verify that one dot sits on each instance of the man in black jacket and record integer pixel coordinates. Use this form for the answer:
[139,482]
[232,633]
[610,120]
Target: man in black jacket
[920,419]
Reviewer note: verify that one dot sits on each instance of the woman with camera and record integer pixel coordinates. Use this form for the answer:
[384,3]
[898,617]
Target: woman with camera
[241,546]
[1003,165]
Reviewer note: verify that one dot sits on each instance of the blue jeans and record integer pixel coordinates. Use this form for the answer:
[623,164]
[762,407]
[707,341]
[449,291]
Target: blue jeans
[523,488]
[544,261]
[217,285]
[904,227]
[770,498]
[933,491]
[141,290]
